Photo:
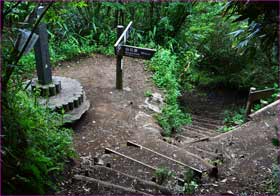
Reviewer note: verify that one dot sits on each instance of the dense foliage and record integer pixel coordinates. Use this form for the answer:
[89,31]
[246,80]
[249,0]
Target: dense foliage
[35,146]
[200,44]
[165,68]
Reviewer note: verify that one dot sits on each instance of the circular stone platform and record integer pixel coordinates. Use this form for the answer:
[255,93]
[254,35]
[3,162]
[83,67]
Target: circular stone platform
[69,97]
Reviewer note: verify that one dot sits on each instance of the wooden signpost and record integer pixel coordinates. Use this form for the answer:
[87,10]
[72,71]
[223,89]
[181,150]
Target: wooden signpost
[125,50]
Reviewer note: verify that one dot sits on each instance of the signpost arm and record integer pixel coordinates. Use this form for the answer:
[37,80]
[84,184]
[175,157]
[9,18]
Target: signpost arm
[119,74]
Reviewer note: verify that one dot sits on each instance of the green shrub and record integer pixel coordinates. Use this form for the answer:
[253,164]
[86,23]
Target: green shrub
[233,118]
[163,174]
[148,93]
[190,184]
[35,146]
[172,118]
[165,68]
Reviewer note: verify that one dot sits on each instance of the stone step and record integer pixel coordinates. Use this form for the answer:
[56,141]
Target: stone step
[87,185]
[118,178]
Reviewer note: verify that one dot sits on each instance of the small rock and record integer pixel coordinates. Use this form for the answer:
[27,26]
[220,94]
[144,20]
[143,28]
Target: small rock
[263,102]
[152,107]
[83,137]
[224,180]
[127,89]
[241,156]
[111,92]
[157,98]
[266,124]
[230,192]
[86,189]
[93,121]
[97,161]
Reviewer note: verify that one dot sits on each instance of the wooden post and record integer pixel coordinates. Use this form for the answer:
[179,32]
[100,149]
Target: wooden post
[249,104]
[119,75]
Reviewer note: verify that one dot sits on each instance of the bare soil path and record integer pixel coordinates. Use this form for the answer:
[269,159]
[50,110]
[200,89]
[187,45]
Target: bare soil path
[116,116]
[110,120]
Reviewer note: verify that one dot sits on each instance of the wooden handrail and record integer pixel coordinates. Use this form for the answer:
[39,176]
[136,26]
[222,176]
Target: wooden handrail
[255,95]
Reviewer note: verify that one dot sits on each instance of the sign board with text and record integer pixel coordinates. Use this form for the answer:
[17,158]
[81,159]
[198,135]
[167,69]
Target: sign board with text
[137,52]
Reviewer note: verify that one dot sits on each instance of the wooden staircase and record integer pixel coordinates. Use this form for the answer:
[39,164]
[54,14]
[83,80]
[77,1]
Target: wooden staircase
[131,168]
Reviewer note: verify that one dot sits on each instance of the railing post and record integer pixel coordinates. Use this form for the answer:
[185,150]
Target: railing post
[249,104]
[119,74]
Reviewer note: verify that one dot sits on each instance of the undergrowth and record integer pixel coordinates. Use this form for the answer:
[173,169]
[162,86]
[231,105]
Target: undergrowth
[233,118]
[35,146]
[190,184]
[61,52]
[165,66]
[163,174]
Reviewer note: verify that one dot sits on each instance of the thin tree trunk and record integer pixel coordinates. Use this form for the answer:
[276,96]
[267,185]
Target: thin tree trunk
[152,5]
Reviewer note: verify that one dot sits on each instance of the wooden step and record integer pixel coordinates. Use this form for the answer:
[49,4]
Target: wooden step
[118,178]
[129,166]
[193,133]
[206,124]
[208,114]
[207,120]
[183,139]
[203,130]
[207,107]
[177,153]
[174,180]
[186,140]
[169,162]
[87,185]
[204,154]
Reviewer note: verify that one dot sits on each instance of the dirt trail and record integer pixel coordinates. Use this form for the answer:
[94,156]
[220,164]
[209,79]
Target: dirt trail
[111,118]
[117,116]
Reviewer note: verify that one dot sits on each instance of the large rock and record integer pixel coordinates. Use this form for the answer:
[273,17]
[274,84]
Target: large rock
[153,103]
[147,123]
